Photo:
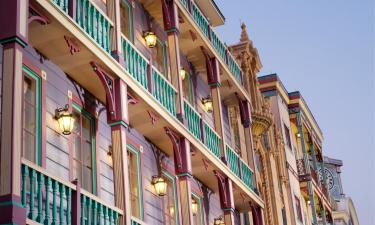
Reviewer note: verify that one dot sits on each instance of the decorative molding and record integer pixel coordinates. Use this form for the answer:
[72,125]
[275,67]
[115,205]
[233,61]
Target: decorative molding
[193,35]
[107,83]
[36,15]
[223,191]
[175,139]
[132,100]
[72,44]
[244,111]
[153,116]
[212,70]
[206,163]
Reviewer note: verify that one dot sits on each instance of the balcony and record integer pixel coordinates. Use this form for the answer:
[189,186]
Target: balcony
[208,32]
[239,167]
[50,200]
[155,95]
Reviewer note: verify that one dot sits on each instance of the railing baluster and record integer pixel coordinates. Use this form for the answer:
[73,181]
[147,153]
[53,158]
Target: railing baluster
[55,186]
[83,203]
[61,211]
[25,175]
[68,206]
[40,197]
[100,214]
[89,206]
[46,205]
[95,213]
[32,194]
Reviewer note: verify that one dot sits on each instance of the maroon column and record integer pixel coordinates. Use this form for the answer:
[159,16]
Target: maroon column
[13,37]
[182,160]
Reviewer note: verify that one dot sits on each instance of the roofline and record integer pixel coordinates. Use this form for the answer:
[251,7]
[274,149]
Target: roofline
[218,10]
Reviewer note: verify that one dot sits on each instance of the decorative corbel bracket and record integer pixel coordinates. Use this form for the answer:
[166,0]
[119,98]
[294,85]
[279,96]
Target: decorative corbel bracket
[212,70]
[175,139]
[245,111]
[72,44]
[36,15]
[107,83]
[224,198]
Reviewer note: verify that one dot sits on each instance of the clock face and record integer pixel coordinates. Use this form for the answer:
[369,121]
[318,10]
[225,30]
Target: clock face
[330,181]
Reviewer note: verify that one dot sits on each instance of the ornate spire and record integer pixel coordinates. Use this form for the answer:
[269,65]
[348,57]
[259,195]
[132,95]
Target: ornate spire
[244,35]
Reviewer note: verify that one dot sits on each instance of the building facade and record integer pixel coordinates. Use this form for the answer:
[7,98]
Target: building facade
[135,112]
[311,202]
[123,112]
[344,212]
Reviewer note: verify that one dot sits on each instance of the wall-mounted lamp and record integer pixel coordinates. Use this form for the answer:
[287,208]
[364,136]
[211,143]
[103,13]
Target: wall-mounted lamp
[150,39]
[308,202]
[298,135]
[219,221]
[160,185]
[207,104]
[194,206]
[183,73]
[65,120]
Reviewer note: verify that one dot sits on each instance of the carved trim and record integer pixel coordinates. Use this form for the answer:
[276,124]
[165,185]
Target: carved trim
[132,100]
[212,74]
[153,116]
[107,83]
[206,163]
[244,111]
[37,16]
[166,15]
[175,139]
[193,35]
[73,46]
[222,190]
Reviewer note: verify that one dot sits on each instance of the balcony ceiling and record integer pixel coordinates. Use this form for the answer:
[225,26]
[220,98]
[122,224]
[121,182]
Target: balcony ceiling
[211,11]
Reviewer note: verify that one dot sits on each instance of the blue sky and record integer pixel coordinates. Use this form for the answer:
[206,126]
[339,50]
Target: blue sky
[325,49]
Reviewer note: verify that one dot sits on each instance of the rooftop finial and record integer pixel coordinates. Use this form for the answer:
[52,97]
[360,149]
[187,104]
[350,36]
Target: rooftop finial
[244,35]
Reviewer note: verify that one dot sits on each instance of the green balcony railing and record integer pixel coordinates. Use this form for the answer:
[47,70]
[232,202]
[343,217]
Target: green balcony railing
[218,45]
[50,200]
[135,63]
[247,175]
[234,68]
[95,212]
[46,199]
[185,3]
[62,4]
[94,22]
[193,120]
[233,160]
[163,91]
[212,140]
[200,19]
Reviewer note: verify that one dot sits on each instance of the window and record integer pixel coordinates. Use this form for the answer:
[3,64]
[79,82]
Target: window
[135,181]
[198,217]
[235,130]
[126,15]
[298,208]
[287,137]
[161,57]
[170,207]
[31,115]
[83,149]
[188,88]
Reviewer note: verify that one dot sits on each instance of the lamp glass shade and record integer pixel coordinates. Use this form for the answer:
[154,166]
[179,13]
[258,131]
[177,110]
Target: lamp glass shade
[219,221]
[65,121]
[194,206]
[160,185]
[183,74]
[150,39]
[207,104]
